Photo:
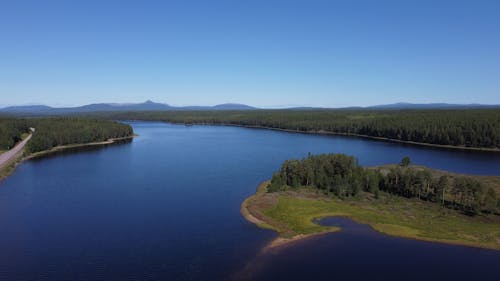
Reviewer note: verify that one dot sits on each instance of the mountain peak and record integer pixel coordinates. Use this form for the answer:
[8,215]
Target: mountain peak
[148,105]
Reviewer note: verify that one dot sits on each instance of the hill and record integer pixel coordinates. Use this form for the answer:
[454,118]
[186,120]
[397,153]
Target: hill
[33,110]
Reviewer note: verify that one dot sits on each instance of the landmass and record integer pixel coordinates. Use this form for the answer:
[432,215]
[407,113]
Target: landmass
[24,138]
[469,129]
[292,212]
[8,156]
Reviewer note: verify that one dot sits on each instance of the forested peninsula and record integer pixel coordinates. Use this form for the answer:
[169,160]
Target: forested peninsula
[458,128]
[57,133]
[400,199]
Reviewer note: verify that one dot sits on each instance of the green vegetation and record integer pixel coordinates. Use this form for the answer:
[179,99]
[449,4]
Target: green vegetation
[55,132]
[405,162]
[52,132]
[7,169]
[476,128]
[293,214]
[11,131]
[341,176]
[401,200]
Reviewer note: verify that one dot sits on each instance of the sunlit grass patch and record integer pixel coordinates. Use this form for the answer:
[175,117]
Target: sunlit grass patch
[391,215]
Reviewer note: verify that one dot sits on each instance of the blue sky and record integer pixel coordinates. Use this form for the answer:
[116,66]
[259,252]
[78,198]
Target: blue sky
[262,53]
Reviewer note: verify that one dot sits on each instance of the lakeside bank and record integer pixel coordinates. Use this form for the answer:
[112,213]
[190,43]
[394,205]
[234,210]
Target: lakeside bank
[10,167]
[250,210]
[323,132]
[292,214]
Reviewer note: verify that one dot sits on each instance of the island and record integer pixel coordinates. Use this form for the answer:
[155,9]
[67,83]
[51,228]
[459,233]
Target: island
[401,200]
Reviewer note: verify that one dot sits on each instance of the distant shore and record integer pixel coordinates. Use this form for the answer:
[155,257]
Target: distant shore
[9,169]
[303,207]
[322,132]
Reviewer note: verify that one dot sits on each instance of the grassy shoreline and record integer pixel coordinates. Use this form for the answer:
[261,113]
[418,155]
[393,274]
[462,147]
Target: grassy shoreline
[291,215]
[282,239]
[7,170]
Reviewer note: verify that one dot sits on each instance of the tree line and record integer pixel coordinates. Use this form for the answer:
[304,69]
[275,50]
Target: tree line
[51,132]
[11,130]
[458,127]
[342,176]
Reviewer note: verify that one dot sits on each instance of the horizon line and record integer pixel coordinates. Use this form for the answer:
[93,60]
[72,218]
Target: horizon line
[289,106]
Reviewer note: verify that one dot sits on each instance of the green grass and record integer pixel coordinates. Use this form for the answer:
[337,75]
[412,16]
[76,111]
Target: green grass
[391,215]
[7,169]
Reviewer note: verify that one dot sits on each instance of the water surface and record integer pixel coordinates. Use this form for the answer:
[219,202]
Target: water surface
[166,207]
[358,252]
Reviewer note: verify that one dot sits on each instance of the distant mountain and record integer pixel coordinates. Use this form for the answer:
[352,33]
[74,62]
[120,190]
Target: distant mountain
[35,110]
[404,105]
[224,106]
[26,108]
[145,106]
[232,106]
[107,107]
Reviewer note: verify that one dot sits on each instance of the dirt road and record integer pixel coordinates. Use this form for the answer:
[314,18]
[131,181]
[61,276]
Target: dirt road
[6,157]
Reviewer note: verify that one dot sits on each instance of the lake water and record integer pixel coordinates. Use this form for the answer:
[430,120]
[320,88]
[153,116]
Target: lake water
[358,252]
[166,207]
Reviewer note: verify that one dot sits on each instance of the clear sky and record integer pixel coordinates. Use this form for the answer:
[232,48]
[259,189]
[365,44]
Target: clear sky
[261,53]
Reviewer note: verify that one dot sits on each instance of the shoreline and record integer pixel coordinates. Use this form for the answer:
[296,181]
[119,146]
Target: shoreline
[8,169]
[281,241]
[70,146]
[11,156]
[322,132]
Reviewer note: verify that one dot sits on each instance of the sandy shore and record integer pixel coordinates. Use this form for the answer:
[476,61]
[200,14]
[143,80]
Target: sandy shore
[279,241]
[282,241]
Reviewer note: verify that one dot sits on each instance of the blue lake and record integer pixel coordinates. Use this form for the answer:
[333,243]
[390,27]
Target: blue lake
[166,207]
